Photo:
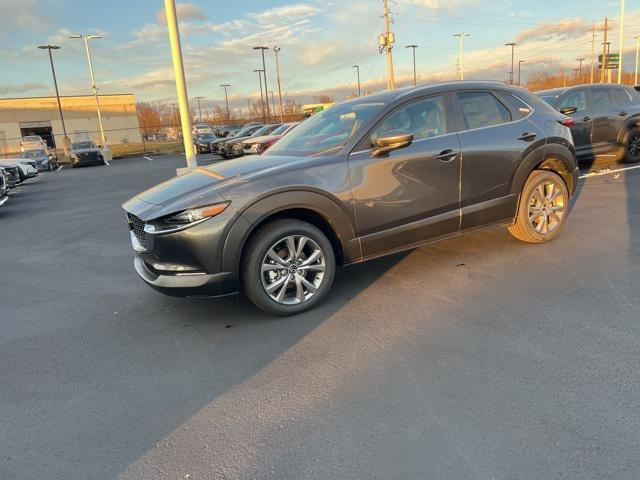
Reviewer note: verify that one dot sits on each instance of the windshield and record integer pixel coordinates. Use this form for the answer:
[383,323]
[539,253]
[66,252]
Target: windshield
[245,132]
[327,131]
[34,154]
[82,145]
[281,129]
[31,139]
[267,129]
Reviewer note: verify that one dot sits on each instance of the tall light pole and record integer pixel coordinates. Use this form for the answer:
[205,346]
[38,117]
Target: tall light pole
[276,50]
[461,59]
[226,99]
[621,41]
[273,101]
[199,108]
[249,108]
[357,67]
[264,119]
[181,84]
[65,140]
[413,47]
[520,62]
[264,72]
[513,49]
[86,39]
[635,77]
[580,68]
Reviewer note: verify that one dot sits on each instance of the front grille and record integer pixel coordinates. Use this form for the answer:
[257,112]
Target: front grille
[137,227]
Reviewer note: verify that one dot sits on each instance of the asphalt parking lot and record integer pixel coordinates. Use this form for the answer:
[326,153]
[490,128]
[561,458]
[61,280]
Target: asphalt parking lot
[476,358]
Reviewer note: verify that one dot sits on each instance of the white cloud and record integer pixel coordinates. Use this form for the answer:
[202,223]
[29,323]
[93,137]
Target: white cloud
[289,13]
[19,14]
[21,88]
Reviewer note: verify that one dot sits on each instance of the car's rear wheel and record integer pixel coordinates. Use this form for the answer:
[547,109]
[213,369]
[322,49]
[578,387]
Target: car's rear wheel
[288,267]
[632,146]
[543,209]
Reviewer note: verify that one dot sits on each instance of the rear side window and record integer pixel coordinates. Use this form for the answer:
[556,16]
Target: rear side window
[482,109]
[517,104]
[620,96]
[601,97]
[576,99]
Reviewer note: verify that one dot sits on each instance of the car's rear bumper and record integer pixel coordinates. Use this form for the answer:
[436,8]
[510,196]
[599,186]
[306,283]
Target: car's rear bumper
[187,284]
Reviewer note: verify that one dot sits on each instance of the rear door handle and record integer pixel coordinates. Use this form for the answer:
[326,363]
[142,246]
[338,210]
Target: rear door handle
[586,119]
[447,155]
[527,137]
[622,113]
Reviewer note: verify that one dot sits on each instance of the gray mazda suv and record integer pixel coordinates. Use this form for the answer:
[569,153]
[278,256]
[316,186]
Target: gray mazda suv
[365,178]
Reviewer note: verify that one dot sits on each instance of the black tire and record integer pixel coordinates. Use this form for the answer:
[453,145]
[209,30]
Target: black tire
[632,146]
[255,281]
[531,226]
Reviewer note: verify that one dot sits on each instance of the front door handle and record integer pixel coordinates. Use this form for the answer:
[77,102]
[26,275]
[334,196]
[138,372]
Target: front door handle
[586,119]
[447,155]
[527,137]
[622,113]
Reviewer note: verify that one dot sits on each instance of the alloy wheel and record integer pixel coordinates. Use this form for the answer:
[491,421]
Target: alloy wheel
[546,207]
[293,269]
[633,146]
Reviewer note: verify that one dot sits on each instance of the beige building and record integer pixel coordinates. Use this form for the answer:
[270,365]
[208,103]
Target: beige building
[40,116]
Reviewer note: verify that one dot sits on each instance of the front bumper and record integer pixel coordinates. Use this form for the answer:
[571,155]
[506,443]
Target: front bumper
[191,284]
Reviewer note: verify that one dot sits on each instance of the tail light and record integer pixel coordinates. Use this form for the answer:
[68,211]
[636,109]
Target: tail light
[567,122]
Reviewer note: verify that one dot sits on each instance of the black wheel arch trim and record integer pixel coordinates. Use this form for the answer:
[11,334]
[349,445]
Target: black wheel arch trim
[272,204]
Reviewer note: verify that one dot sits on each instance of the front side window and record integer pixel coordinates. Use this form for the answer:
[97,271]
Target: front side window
[620,96]
[423,119]
[576,100]
[600,98]
[481,109]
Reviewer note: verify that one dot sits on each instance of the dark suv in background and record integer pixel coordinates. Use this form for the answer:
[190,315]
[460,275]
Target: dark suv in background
[605,119]
[365,178]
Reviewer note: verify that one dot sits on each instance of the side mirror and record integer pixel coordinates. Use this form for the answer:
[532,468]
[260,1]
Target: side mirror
[389,144]
[569,110]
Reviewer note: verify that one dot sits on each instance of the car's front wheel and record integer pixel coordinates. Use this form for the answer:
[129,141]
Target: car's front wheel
[288,267]
[543,209]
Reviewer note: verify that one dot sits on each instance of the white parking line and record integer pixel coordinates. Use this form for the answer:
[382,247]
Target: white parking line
[59,168]
[107,163]
[606,172]
[150,159]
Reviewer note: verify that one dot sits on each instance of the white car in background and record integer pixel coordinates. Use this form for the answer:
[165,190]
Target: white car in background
[33,142]
[25,170]
[201,128]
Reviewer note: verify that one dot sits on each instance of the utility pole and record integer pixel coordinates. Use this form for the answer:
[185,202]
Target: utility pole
[413,47]
[387,40]
[357,67]
[181,84]
[461,55]
[621,41]
[593,50]
[276,50]
[635,77]
[226,99]
[273,101]
[249,108]
[520,62]
[580,68]
[264,118]
[65,140]
[604,51]
[513,49]
[86,39]
[199,109]
[575,75]
[264,71]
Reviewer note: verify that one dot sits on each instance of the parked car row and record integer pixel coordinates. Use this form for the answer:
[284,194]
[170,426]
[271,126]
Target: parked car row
[15,171]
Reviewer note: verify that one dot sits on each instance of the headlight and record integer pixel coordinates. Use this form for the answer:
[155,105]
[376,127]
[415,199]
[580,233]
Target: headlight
[185,219]
[74,156]
[261,147]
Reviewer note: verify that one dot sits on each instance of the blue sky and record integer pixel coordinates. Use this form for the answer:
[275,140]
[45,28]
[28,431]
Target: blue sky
[320,41]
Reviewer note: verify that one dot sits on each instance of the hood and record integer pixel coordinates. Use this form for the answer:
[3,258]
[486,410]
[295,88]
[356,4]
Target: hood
[204,141]
[204,185]
[263,139]
[238,140]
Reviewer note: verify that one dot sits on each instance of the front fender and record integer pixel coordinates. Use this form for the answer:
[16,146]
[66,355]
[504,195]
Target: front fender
[253,215]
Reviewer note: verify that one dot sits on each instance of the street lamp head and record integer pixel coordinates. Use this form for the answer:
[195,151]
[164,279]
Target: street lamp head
[76,35]
[276,48]
[90,37]
[49,47]
[510,44]
[261,48]
[226,85]
[462,34]
[259,70]
[411,46]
